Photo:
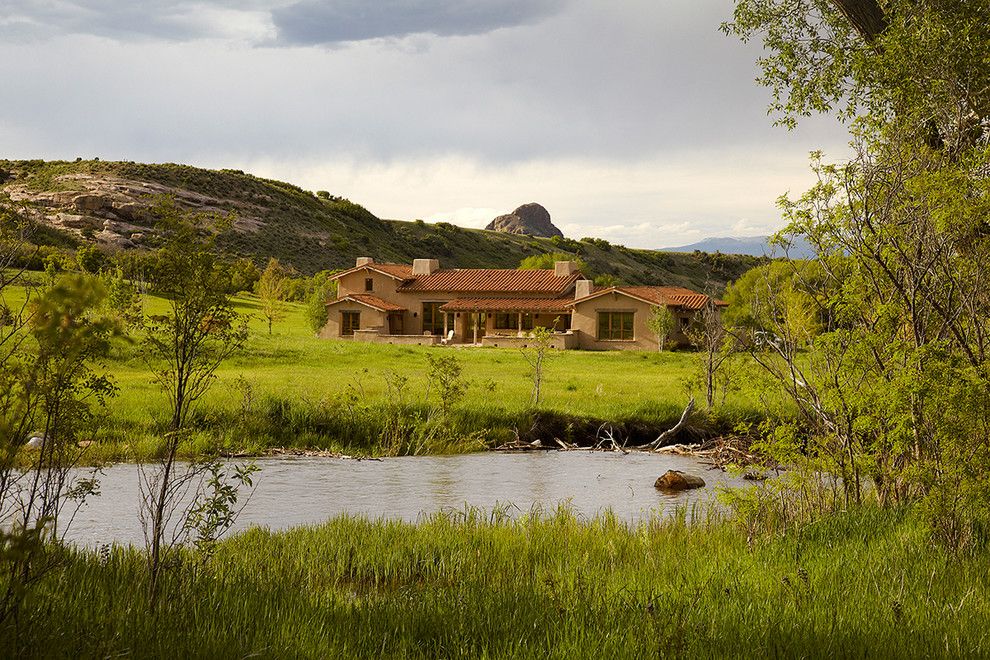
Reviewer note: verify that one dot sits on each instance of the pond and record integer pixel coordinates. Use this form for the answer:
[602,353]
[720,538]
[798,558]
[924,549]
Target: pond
[307,491]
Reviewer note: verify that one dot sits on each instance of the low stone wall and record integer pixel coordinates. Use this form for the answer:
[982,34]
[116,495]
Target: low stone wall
[560,341]
[374,336]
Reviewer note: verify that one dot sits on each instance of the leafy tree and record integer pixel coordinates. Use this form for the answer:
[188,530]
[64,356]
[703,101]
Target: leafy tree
[322,289]
[47,390]
[896,383]
[183,348]
[91,259]
[243,275]
[662,323]
[444,376]
[271,290]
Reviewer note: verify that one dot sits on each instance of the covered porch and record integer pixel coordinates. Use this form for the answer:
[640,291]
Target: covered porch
[493,321]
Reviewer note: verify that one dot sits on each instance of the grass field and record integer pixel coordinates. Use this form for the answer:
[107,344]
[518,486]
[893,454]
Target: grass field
[290,389]
[867,583]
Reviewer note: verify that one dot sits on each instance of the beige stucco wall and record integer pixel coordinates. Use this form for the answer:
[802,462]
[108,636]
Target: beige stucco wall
[585,323]
[370,318]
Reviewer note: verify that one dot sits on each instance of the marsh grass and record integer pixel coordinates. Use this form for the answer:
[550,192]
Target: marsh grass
[866,583]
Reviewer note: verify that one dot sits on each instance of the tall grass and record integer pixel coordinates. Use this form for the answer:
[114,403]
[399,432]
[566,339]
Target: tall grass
[854,584]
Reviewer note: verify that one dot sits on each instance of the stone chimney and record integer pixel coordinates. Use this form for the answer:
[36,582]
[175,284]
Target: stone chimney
[564,268]
[582,288]
[364,261]
[425,266]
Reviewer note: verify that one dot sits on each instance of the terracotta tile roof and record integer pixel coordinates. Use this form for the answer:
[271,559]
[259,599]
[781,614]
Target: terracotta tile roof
[371,301]
[675,296]
[492,280]
[508,304]
[398,271]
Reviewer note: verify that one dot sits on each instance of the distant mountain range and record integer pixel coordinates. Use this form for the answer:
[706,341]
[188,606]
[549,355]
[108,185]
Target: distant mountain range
[756,246]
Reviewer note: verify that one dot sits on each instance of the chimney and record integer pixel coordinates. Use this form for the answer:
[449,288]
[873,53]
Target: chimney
[582,288]
[364,261]
[564,268]
[425,266]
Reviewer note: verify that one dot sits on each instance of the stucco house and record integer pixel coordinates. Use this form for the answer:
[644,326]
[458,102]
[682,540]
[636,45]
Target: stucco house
[425,304]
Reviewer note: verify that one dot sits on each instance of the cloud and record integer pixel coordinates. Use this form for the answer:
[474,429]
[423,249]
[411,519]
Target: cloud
[125,20]
[312,22]
[268,22]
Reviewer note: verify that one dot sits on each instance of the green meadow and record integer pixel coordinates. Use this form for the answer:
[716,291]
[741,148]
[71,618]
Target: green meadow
[293,390]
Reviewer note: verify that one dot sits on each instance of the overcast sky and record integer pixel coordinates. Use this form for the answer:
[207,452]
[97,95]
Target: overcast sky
[635,121]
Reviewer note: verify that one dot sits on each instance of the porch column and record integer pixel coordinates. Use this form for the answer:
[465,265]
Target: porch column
[477,320]
[519,325]
[444,325]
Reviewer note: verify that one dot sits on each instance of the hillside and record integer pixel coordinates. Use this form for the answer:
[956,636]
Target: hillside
[106,203]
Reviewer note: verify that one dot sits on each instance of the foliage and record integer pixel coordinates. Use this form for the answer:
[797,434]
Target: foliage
[91,259]
[322,290]
[444,377]
[536,353]
[893,383]
[183,348]
[271,289]
[48,389]
[662,323]
[548,259]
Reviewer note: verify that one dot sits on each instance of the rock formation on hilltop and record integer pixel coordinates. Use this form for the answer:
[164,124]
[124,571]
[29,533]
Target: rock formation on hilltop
[530,219]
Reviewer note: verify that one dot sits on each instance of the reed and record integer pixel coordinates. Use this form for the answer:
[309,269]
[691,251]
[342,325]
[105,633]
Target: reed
[485,584]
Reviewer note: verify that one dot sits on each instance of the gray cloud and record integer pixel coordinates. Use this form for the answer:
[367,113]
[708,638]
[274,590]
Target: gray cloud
[312,22]
[126,20]
[269,22]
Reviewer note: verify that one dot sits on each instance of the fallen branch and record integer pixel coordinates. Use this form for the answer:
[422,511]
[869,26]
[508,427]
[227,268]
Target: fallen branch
[671,432]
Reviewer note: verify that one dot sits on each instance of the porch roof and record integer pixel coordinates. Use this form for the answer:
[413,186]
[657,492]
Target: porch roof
[369,301]
[539,305]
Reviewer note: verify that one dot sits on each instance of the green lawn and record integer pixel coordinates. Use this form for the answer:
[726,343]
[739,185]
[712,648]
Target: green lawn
[292,389]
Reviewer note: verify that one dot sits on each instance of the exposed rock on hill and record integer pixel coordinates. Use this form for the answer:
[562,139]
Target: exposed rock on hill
[529,219]
[109,204]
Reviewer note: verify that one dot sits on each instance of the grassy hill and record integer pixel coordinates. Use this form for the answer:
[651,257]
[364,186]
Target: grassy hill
[105,203]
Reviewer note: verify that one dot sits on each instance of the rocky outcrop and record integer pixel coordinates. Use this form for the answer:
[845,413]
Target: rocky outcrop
[530,219]
[115,211]
[675,480]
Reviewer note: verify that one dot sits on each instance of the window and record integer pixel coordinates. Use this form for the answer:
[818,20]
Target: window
[615,326]
[369,284]
[433,318]
[349,322]
[505,321]
[510,321]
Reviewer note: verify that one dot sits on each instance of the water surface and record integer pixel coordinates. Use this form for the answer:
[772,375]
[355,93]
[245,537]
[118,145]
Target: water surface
[306,491]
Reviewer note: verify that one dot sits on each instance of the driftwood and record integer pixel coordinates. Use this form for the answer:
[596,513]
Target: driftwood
[672,431]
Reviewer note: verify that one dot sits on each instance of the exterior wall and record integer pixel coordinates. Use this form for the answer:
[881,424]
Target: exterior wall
[384,286]
[370,318]
[585,323]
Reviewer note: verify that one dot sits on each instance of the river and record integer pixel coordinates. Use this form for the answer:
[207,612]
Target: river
[306,491]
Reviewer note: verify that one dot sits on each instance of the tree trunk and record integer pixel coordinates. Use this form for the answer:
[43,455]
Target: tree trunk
[866,17]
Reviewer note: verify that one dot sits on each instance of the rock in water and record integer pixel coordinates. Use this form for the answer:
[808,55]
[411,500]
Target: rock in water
[677,480]
[530,219]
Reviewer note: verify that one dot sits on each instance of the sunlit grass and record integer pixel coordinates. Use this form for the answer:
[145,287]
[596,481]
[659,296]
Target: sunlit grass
[856,584]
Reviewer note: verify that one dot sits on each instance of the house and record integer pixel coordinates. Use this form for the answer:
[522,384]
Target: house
[425,304]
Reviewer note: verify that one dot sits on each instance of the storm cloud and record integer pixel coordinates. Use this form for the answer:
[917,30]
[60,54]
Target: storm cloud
[334,21]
